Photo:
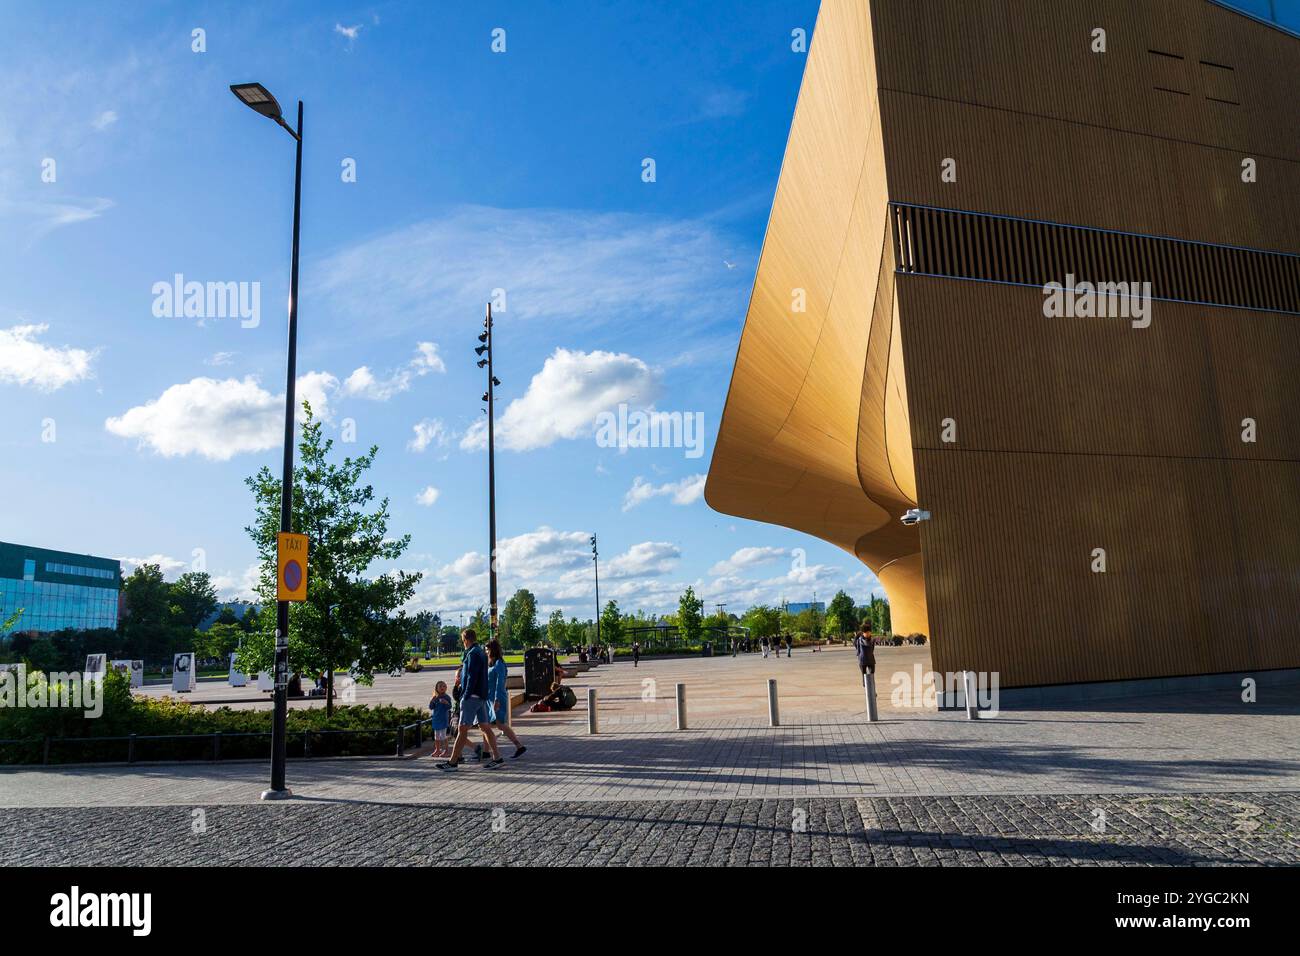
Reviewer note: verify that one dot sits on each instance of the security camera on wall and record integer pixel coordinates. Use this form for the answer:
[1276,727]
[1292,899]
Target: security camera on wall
[914,516]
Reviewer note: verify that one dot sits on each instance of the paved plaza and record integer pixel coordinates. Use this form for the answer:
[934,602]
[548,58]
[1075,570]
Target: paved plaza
[1182,778]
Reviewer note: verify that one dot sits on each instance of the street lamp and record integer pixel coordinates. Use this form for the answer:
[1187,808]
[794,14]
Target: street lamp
[257,98]
[485,347]
[595,556]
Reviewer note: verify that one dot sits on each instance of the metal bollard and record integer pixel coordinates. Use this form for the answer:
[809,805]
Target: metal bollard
[681,706]
[972,703]
[593,724]
[869,688]
[773,710]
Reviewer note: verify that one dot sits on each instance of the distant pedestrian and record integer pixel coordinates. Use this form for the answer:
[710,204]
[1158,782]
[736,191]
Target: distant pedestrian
[498,699]
[766,647]
[440,713]
[473,702]
[636,653]
[865,647]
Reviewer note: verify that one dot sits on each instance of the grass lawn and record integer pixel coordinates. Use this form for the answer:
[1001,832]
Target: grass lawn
[453,660]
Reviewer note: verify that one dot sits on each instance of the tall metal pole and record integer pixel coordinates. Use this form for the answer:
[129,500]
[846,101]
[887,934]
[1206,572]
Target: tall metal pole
[279,717]
[595,556]
[492,482]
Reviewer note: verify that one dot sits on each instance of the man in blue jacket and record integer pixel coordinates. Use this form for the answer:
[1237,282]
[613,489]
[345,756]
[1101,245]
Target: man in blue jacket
[473,702]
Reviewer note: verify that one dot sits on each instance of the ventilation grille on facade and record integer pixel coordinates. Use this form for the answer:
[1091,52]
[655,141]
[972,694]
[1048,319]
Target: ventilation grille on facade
[963,245]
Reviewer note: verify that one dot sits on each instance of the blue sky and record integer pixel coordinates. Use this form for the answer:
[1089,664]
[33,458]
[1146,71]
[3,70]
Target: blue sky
[475,171]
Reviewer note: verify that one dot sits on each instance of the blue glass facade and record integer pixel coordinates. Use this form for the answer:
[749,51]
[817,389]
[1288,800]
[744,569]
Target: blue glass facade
[57,590]
[1282,13]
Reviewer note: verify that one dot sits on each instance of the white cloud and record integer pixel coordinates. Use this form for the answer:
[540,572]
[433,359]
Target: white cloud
[46,216]
[168,565]
[104,120]
[244,586]
[563,399]
[575,266]
[363,383]
[684,492]
[429,431]
[25,361]
[220,358]
[428,496]
[528,555]
[649,558]
[351,32]
[746,558]
[218,419]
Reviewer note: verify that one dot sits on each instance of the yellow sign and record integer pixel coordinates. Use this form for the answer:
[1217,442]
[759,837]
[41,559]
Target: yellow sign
[291,567]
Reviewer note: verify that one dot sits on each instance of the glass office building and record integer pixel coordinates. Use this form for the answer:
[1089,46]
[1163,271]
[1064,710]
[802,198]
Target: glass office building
[57,590]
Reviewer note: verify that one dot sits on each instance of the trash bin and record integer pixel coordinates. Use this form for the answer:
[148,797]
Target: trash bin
[539,672]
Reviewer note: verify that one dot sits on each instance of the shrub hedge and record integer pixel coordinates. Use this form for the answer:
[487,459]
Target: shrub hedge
[76,738]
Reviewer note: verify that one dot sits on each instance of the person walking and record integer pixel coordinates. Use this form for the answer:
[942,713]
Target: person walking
[473,702]
[636,653]
[766,648]
[864,645]
[498,699]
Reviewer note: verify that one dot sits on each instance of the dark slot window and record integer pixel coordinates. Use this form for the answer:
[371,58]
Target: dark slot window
[966,245]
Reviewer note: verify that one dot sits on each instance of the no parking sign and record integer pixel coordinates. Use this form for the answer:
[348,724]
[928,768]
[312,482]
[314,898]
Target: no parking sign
[291,567]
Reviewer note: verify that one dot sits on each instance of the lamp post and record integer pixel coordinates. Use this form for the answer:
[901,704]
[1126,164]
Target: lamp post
[485,346]
[257,98]
[595,556]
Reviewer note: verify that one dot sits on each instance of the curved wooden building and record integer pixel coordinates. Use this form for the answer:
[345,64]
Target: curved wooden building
[1112,496]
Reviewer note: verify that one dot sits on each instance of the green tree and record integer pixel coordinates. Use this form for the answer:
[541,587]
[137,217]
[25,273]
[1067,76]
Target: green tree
[150,629]
[250,621]
[611,624]
[841,611]
[578,632]
[557,632]
[689,619]
[348,620]
[479,622]
[449,639]
[519,620]
[219,641]
[762,621]
[193,597]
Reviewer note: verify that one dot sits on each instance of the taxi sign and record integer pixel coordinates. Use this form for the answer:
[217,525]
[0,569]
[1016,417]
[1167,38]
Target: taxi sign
[291,567]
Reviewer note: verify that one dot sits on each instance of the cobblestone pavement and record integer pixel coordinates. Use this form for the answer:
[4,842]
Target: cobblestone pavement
[1188,829]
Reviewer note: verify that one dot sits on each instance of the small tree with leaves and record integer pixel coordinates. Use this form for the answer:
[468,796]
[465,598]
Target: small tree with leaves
[348,620]
[611,624]
[690,619]
[557,631]
[841,610]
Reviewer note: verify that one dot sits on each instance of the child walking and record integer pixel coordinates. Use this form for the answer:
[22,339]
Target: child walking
[440,709]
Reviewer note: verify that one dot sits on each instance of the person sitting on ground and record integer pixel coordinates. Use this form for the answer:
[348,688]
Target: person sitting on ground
[560,698]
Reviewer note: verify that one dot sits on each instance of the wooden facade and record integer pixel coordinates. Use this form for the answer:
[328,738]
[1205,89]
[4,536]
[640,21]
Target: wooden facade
[881,370]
